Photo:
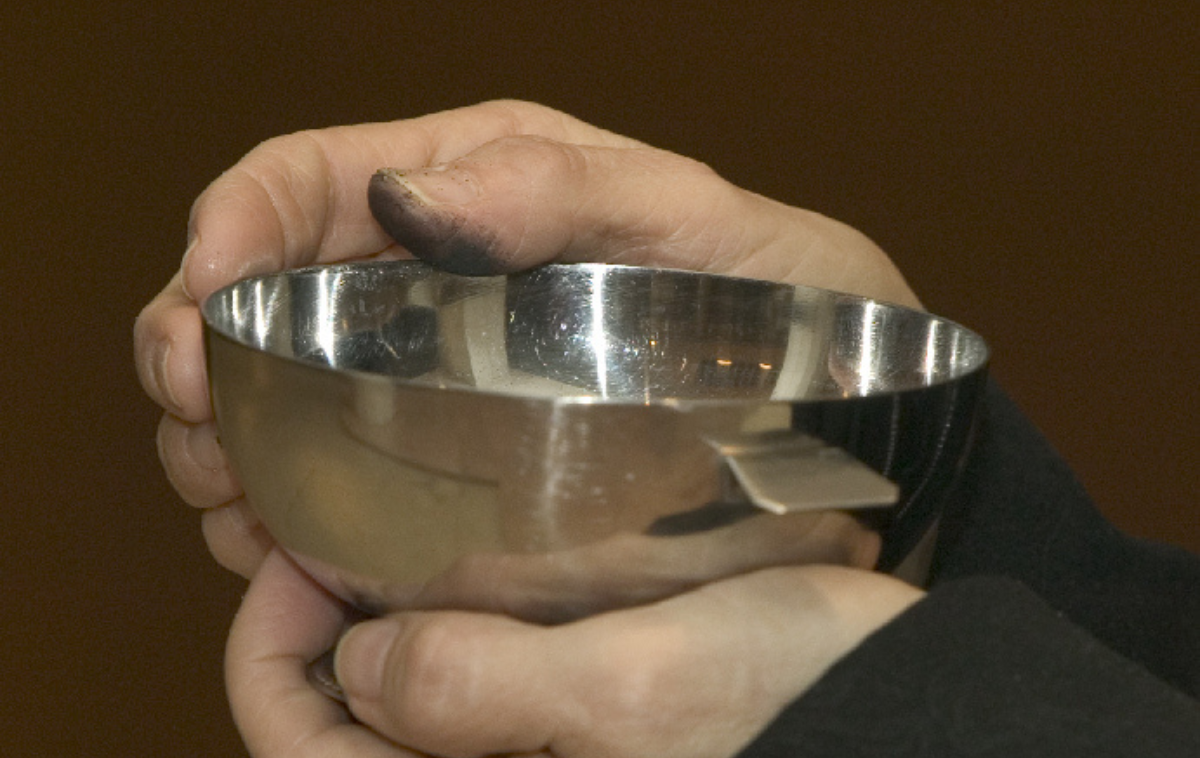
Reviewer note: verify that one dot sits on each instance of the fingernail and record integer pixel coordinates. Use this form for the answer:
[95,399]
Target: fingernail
[422,210]
[205,448]
[162,354]
[361,657]
[193,241]
[241,516]
[437,185]
[321,676]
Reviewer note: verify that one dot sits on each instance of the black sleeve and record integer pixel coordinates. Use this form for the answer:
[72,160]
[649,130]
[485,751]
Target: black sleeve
[1046,632]
[983,667]
[1020,513]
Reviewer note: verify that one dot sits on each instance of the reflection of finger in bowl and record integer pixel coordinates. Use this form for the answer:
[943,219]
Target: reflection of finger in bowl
[389,421]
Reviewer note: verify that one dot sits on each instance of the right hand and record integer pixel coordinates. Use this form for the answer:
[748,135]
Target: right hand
[697,675]
[500,186]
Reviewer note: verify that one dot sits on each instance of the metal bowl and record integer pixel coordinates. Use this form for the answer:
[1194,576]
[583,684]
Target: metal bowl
[576,437]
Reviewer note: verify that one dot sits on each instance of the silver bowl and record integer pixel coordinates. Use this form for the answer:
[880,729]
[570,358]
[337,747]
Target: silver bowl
[577,437]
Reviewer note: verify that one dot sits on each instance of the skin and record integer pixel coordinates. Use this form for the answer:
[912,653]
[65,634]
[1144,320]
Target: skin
[492,188]
[541,186]
[694,676]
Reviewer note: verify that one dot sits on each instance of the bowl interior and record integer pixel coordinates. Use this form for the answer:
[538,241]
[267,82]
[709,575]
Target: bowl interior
[594,333]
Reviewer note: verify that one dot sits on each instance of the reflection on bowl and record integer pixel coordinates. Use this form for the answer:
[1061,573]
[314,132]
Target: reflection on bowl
[576,437]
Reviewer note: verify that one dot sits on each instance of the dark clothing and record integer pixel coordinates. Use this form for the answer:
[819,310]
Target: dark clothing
[1046,632]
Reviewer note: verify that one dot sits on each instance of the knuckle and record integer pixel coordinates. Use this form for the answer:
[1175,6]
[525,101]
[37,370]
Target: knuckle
[168,441]
[523,117]
[291,172]
[690,167]
[515,109]
[643,672]
[844,540]
[534,157]
[237,541]
[145,327]
[430,675]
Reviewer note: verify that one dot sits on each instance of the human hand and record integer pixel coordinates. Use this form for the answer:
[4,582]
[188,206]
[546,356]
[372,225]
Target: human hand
[696,675]
[494,187]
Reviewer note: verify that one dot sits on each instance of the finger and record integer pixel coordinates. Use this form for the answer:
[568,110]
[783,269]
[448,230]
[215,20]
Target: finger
[286,621]
[195,464]
[451,683]
[521,201]
[169,354]
[299,199]
[634,569]
[696,675]
[236,538]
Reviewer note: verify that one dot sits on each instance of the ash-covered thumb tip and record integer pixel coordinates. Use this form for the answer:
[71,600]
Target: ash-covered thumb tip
[434,232]
[392,190]
[392,201]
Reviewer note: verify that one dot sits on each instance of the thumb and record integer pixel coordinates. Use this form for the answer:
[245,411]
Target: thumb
[519,202]
[449,683]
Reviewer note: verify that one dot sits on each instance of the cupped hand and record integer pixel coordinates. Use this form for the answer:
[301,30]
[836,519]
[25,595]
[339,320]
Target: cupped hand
[696,675]
[494,187]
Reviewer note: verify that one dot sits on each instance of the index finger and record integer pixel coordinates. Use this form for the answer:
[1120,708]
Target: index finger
[301,199]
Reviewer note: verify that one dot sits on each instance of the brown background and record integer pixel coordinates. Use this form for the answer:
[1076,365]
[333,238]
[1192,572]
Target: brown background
[1033,173]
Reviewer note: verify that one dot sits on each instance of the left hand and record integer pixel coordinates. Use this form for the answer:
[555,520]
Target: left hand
[499,186]
[698,675]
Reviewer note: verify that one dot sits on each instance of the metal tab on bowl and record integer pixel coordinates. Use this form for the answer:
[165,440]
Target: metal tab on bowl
[790,472]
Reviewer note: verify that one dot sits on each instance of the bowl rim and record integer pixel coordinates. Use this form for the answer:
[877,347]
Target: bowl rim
[215,327]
